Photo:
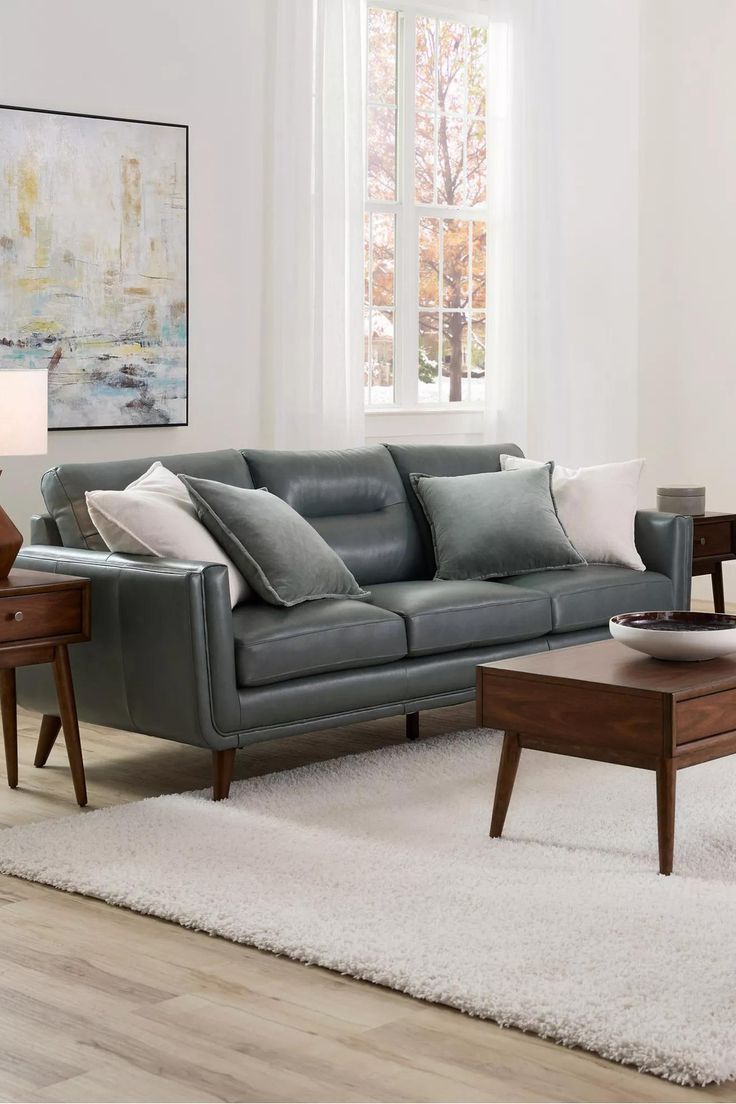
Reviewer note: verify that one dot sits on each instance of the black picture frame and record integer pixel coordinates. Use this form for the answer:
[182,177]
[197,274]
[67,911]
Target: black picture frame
[143,122]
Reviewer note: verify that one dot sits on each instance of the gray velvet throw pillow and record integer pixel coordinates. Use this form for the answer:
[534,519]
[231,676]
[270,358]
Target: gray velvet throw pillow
[488,526]
[283,558]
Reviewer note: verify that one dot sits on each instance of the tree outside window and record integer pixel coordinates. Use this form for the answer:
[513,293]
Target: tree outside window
[426,220]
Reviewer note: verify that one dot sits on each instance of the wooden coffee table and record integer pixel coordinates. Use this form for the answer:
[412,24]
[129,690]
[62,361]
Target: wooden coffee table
[603,701]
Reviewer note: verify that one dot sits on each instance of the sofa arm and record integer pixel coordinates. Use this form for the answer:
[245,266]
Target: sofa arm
[665,543]
[160,659]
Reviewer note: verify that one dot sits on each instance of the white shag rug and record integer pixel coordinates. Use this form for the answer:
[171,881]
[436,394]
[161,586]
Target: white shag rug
[380,866]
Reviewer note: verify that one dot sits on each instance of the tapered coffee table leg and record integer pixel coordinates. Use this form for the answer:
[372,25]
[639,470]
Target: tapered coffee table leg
[10,724]
[69,722]
[666,788]
[509,761]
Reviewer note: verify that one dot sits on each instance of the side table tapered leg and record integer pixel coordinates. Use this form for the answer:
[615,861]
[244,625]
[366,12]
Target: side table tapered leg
[719,604]
[70,724]
[50,728]
[10,724]
[509,761]
[666,788]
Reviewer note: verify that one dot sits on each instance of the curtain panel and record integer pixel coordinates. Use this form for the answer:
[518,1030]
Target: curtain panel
[311,380]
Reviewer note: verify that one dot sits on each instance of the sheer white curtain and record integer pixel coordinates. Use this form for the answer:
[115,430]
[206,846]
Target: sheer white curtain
[311,384]
[517,258]
[563,234]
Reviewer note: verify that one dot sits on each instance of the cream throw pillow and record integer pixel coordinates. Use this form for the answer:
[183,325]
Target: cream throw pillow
[597,507]
[154,516]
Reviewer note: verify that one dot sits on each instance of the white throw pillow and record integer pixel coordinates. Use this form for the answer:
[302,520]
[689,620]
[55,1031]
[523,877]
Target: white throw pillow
[154,516]
[597,507]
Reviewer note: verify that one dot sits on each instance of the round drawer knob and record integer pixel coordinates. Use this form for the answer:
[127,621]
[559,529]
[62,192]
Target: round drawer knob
[702,540]
[18,616]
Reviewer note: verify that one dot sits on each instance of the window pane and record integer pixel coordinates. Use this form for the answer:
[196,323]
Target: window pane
[450,177]
[455,257]
[429,262]
[382,55]
[380,375]
[479,264]
[454,353]
[381,153]
[429,390]
[450,101]
[424,157]
[477,357]
[426,56]
[366,258]
[383,260]
[451,71]
[476,163]
[477,70]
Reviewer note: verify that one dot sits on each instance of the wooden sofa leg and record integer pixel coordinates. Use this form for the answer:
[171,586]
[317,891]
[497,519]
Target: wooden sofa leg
[412,726]
[50,729]
[223,763]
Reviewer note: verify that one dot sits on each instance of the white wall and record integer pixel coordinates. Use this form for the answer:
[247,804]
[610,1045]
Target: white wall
[183,61]
[687,379]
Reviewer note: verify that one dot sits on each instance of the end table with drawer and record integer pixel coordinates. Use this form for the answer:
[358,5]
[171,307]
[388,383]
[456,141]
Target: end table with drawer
[40,615]
[714,543]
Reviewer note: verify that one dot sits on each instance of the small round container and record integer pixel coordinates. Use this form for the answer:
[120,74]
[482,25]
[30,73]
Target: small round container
[681,500]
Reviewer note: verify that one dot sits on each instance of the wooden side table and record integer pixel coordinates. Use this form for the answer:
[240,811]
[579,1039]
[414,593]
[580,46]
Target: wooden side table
[714,543]
[40,614]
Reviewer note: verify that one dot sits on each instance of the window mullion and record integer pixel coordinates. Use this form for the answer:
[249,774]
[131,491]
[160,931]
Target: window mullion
[407,301]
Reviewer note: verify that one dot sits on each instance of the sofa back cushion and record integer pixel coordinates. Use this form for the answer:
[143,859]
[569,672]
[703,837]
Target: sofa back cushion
[442,460]
[64,487]
[355,500]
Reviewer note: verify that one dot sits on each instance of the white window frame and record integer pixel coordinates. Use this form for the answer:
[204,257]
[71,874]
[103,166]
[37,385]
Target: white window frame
[408,213]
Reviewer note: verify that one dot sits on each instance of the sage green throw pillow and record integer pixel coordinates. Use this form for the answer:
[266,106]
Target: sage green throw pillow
[283,558]
[489,526]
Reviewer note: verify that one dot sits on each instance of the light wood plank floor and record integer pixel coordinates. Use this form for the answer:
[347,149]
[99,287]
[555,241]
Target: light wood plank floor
[99,1004]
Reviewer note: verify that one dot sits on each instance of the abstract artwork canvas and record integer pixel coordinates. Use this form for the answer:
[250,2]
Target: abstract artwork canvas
[93,265]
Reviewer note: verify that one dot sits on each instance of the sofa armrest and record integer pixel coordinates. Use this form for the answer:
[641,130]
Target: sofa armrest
[665,543]
[160,659]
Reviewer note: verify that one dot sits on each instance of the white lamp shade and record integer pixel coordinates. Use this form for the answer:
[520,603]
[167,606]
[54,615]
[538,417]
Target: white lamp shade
[23,411]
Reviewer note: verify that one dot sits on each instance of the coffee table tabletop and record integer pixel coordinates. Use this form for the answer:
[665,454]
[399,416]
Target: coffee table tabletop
[603,701]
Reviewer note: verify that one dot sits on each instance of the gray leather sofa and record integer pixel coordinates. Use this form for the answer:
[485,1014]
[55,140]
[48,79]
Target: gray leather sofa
[168,656]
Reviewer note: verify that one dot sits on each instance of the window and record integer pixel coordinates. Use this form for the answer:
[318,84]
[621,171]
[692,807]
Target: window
[425,210]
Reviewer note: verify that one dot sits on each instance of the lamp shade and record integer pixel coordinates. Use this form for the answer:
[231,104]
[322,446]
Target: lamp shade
[23,411]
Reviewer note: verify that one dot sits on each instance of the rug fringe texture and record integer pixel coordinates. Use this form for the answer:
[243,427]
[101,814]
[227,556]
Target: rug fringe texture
[379,866]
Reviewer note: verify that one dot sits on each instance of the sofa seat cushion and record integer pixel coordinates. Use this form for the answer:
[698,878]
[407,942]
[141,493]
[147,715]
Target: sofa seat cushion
[275,643]
[582,597]
[445,615]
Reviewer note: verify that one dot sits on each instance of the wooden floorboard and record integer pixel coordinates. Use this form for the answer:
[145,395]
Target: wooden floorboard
[101,1004]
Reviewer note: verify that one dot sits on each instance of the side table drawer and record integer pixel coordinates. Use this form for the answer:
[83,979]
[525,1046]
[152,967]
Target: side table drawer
[58,613]
[712,540]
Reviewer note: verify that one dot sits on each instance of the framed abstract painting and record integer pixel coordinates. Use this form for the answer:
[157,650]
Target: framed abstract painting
[94,264]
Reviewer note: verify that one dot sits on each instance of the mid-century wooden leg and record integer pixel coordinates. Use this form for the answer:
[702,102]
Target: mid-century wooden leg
[223,763]
[10,724]
[412,726]
[510,753]
[50,728]
[719,604]
[666,788]
[70,724]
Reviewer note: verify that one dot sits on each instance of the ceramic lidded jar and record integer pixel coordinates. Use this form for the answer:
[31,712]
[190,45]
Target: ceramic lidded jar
[681,500]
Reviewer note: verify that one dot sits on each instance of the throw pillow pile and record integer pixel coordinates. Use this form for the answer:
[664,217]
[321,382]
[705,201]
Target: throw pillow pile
[596,506]
[530,516]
